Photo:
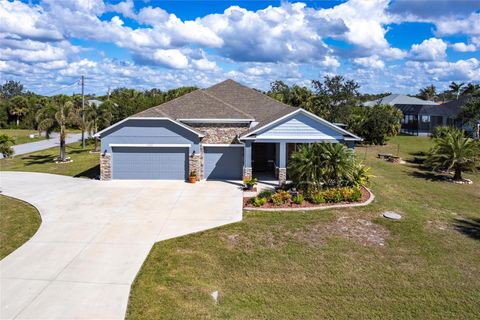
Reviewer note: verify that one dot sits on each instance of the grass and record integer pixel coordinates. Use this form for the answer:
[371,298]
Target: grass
[19,221]
[307,265]
[84,164]
[22,136]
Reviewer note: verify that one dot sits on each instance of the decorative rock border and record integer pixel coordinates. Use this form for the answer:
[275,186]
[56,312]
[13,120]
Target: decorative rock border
[333,206]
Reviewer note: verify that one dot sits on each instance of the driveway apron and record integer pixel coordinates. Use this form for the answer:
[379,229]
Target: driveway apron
[94,237]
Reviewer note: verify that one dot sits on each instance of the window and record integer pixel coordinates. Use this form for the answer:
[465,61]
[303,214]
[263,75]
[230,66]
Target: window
[425,119]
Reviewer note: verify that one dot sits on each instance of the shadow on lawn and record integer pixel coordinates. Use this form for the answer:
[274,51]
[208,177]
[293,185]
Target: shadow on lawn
[92,173]
[469,227]
[426,175]
[38,159]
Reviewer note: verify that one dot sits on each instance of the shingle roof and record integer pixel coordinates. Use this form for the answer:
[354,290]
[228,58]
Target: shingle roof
[430,110]
[226,100]
[397,99]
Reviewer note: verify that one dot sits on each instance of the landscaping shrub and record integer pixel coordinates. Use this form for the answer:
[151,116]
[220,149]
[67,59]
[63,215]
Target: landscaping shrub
[347,193]
[298,199]
[332,195]
[280,197]
[317,198]
[265,194]
[258,201]
[357,194]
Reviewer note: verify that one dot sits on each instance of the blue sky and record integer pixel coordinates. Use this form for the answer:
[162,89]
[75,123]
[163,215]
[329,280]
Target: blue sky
[385,45]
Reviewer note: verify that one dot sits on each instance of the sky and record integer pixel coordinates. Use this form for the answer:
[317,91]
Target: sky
[394,46]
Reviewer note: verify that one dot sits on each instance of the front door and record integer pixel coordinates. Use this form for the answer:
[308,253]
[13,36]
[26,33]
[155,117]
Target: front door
[263,157]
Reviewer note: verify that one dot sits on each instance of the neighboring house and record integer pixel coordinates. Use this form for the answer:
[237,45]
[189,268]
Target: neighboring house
[94,102]
[227,131]
[420,117]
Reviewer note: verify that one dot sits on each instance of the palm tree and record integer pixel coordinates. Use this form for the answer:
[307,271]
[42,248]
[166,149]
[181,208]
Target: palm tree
[325,164]
[97,116]
[6,143]
[472,88]
[456,88]
[18,107]
[62,114]
[428,93]
[45,118]
[454,151]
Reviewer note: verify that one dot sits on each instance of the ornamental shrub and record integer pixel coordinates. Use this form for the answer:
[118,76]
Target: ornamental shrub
[280,197]
[298,199]
[258,201]
[317,198]
[332,195]
[265,194]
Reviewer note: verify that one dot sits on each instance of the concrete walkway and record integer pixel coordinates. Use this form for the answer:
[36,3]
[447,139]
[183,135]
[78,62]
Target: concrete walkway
[94,238]
[44,144]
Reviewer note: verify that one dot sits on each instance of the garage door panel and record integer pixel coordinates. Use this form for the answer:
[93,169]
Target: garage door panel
[168,163]
[223,162]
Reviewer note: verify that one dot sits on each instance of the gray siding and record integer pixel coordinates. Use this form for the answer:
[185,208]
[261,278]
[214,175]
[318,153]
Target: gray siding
[138,131]
[223,162]
[149,163]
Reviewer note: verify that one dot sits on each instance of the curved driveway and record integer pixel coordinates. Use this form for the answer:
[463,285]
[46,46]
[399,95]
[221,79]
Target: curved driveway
[94,238]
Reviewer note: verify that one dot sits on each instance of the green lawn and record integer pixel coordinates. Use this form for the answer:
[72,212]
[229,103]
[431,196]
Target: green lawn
[18,222]
[330,264]
[22,136]
[85,163]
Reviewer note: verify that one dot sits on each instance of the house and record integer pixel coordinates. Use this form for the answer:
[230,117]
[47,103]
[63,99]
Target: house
[227,131]
[420,117]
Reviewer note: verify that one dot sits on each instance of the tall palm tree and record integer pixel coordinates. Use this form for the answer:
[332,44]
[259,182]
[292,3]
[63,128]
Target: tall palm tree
[97,116]
[456,88]
[428,93]
[45,118]
[454,151]
[472,88]
[18,107]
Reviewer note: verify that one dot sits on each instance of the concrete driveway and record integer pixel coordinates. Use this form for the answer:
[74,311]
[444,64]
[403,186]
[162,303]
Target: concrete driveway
[94,238]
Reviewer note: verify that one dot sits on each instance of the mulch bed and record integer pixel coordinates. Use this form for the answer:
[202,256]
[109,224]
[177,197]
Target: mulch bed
[305,204]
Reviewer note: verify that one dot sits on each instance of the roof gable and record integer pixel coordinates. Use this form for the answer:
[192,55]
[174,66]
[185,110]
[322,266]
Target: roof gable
[397,99]
[300,124]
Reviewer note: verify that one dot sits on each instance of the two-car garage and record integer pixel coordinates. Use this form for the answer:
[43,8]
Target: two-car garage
[150,162]
[164,162]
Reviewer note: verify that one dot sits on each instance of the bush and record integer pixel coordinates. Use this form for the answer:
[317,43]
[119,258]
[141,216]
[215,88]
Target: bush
[280,197]
[258,201]
[332,195]
[317,198]
[298,199]
[357,195]
[265,194]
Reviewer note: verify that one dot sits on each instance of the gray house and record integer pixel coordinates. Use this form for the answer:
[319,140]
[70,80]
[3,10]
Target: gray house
[227,131]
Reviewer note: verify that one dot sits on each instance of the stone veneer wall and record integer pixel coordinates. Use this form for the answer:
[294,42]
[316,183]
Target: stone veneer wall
[221,132]
[195,163]
[282,175]
[247,172]
[105,166]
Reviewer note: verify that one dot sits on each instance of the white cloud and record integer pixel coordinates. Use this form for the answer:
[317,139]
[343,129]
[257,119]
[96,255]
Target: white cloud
[330,62]
[453,25]
[432,49]
[463,47]
[172,58]
[126,8]
[370,62]
[204,64]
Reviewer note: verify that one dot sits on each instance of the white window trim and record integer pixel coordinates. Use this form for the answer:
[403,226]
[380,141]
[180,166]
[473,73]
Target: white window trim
[147,145]
[97,135]
[223,145]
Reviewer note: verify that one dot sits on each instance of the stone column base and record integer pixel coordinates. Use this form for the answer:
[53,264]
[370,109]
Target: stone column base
[282,176]
[247,172]
[105,166]
[195,164]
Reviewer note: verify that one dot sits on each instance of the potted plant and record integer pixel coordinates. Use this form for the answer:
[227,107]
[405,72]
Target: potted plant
[193,177]
[249,182]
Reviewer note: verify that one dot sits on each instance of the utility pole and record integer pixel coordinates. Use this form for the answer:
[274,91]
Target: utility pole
[83,111]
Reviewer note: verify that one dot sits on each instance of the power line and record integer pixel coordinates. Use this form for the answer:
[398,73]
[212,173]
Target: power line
[63,87]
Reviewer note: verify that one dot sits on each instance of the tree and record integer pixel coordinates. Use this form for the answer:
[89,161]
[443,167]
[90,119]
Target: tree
[18,107]
[295,96]
[6,143]
[375,124]
[97,116]
[428,93]
[11,89]
[45,118]
[325,164]
[471,114]
[471,88]
[454,151]
[456,88]
[335,96]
